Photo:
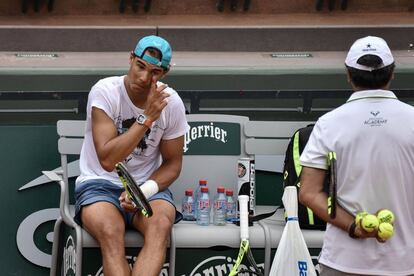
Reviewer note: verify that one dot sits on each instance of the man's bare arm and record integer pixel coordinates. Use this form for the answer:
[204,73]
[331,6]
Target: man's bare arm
[172,155]
[112,148]
[312,195]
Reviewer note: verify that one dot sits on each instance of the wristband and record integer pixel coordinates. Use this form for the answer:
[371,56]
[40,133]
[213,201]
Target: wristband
[149,188]
[351,230]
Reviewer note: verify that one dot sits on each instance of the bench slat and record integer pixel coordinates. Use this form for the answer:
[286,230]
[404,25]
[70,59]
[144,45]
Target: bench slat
[70,145]
[266,146]
[71,128]
[272,128]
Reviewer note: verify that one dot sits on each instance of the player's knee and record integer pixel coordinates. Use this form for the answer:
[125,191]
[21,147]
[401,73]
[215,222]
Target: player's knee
[161,226]
[111,232]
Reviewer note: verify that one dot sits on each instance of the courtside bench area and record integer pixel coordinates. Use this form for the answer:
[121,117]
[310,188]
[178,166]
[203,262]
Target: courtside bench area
[213,145]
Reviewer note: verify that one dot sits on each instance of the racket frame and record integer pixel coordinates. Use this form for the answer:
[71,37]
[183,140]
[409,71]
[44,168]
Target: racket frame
[133,190]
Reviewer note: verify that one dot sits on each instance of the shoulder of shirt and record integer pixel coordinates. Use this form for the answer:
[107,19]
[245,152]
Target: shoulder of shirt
[109,82]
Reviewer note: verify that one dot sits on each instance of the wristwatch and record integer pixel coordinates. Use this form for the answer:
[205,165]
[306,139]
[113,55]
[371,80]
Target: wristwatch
[143,120]
[351,231]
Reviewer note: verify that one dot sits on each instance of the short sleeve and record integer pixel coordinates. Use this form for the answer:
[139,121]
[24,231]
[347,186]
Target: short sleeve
[99,98]
[177,121]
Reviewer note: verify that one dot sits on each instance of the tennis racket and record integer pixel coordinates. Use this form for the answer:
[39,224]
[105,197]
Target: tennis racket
[133,190]
[332,184]
[244,244]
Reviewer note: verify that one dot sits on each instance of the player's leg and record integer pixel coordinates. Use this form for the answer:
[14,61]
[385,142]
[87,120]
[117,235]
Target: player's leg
[106,224]
[99,212]
[156,231]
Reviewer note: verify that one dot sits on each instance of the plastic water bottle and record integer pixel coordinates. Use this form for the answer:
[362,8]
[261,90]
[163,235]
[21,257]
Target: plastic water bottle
[230,206]
[203,204]
[188,206]
[201,183]
[219,215]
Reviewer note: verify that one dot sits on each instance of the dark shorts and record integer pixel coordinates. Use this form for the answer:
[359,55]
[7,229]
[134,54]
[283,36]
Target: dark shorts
[96,190]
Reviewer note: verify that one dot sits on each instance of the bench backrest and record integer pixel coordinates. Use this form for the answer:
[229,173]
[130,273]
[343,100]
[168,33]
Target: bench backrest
[213,145]
[210,156]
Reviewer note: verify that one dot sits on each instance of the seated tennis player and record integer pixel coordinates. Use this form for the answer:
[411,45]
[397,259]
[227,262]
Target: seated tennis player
[137,120]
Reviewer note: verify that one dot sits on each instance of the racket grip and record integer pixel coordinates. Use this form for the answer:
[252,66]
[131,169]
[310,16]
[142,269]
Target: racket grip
[244,217]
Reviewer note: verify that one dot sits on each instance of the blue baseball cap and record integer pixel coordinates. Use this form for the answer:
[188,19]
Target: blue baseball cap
[158,43]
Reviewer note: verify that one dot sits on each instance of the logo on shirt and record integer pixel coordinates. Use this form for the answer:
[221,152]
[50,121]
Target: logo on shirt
[142,145]
[376,120]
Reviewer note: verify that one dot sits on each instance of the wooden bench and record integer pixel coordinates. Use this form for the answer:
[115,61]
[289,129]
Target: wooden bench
[213,145]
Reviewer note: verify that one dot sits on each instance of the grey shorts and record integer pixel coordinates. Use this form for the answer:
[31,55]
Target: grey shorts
[96,190]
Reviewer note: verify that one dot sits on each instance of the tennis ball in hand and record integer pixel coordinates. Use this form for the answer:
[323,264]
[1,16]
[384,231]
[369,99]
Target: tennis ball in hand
[385,230]
[369,223]
[385,215]
[359,217]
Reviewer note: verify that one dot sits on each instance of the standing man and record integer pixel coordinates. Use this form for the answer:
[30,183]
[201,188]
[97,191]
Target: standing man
[373,137]
[140,121]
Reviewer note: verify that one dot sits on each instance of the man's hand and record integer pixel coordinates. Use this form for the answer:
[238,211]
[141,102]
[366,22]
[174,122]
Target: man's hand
[156,100]
[362,234]
[126,203]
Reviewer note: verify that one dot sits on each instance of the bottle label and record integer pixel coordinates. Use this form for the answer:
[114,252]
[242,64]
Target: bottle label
[220,205]
[203,204]
[187,207]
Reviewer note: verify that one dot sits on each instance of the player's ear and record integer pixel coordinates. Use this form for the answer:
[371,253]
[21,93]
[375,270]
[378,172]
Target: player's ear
[131,57]
[165,72]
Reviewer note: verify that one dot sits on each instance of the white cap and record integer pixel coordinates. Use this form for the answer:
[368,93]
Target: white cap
[369,45]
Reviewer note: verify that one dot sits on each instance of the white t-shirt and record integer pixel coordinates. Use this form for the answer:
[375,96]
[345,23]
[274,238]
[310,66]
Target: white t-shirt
[110,95]
[373,137]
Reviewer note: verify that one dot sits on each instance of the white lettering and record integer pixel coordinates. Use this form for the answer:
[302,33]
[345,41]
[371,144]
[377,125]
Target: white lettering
[223,136]
[204,131]
[194,133]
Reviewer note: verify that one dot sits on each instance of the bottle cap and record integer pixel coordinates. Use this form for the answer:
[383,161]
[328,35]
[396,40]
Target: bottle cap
[189,192]
[220,189]
[204,189]
[202,182]
[229,192]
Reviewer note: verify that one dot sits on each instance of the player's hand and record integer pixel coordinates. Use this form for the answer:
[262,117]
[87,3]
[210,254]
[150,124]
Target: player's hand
[156,100]
[126,203]
[362,234]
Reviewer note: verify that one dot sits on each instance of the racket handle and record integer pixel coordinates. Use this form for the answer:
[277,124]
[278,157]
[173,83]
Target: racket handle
[244,217]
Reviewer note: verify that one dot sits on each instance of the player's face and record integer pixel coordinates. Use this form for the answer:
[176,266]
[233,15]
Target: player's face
[141,73]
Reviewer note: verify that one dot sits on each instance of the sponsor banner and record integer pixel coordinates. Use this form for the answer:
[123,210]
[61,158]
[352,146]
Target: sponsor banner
[212,138]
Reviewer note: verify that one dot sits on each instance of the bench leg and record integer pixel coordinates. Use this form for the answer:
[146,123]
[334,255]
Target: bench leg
[79,249]
[268,248]
[55,247]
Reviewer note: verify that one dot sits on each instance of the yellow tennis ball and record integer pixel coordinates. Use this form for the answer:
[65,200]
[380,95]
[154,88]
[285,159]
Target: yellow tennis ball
[385,230]
[359,216]
[369,223]
[385,215]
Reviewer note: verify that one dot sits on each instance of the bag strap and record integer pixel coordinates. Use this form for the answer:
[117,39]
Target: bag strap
[298,169]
